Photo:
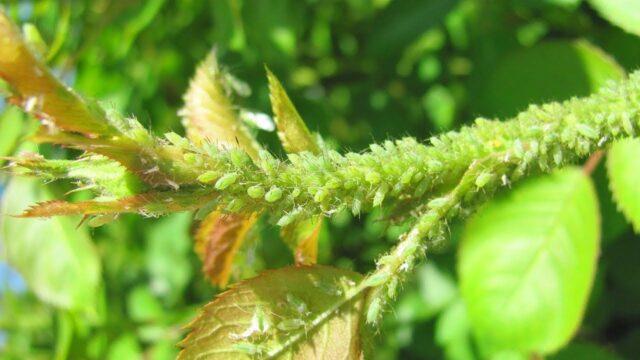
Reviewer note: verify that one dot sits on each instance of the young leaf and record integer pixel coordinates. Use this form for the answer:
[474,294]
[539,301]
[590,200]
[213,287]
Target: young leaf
[622,13]
[302,238]
[292,131]
[40,91]
[151,203]
[103,175]
[55,256]
[286,313]
[209,114]
[218,239]
[527,263]
[622,163]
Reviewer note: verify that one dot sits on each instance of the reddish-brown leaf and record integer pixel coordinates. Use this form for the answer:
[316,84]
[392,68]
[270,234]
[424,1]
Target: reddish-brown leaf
[39,91]
[218,239]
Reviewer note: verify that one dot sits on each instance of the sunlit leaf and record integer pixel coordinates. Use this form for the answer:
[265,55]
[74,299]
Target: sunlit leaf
[622,13]
[301,236]
[55,256]
[218,239]
[622,167]
[40,91]
[96,172]
[527,263]
[525,76]
[288,313]
[209,114]
[293,132]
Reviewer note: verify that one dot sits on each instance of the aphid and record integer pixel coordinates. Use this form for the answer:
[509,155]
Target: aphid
[327,288]
[226,180]
[238,157]
[438,202]
[627,124]
[287,219]
[235,205]
[483,179]
[192,159]
[373,312]
[332,183]
[378,198]
[422,188]
[372,177]
[274,194]
[295,193]
[407,176]
[557,157]
[290,324]
[320,195]
[249,348]
[255,191]
[356,207]
[177,140]
[587,131]
[376,279]
[297,304]
[208,177]
[260,324]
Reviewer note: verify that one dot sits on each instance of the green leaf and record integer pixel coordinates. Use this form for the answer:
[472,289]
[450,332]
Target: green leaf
[453,332]
[527,76]
[168,256]
[622,13]
[437,288]
[55,256]
[143,306]
[622,165]
[125,347]
[528,261]
[293,313]
[11,123]
[292,130]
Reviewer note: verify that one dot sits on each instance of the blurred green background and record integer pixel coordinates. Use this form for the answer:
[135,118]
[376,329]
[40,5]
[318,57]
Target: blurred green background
[359,71]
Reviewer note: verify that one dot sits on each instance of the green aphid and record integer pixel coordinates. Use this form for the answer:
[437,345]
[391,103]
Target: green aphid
[274,194]
[379,196]
[226,180]
[290,324]
[249,348]
[373,177]
[255,192]
[297,304]
[373,311]
[320,195]
[177,140]
[208,177]
[377,279]
[483,179]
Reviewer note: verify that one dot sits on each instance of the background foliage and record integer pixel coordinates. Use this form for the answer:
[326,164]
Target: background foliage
[358,71]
